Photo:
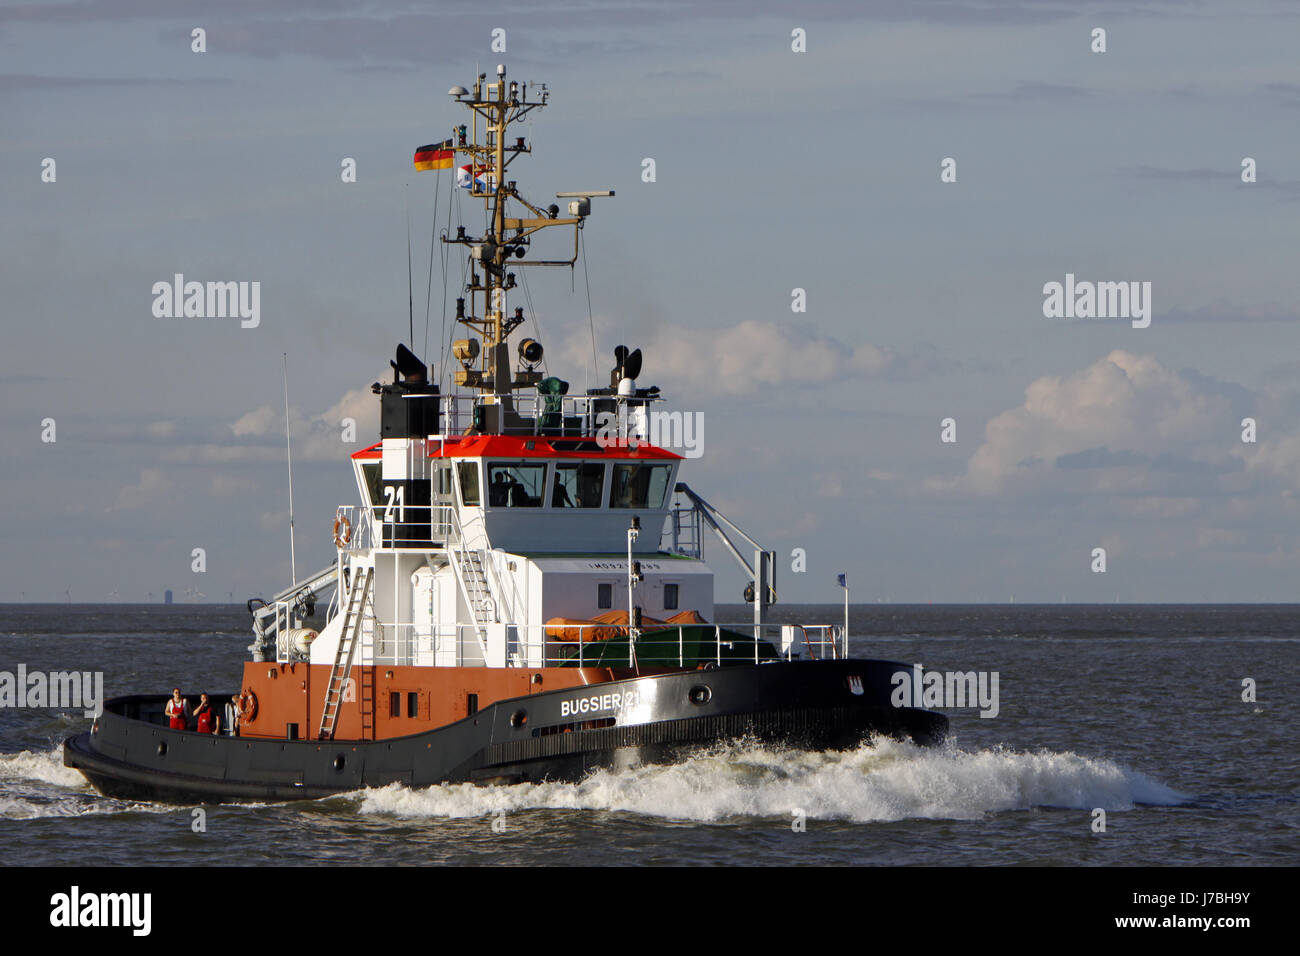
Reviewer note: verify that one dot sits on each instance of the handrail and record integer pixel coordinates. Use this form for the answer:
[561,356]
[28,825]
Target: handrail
[458,553]
[505,609]
[558,411]
[534,645]
[524,642]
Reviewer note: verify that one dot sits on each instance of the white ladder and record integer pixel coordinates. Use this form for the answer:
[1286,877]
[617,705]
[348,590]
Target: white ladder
[468,567]
[358,596]
[476,586]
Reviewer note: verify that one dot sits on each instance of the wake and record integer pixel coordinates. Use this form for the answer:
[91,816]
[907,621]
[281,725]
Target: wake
[883,781]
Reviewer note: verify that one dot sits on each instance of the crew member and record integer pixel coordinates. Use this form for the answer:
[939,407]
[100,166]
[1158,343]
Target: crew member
[499,490]
[203,714]
[232,716]
[560,495]
[175,710]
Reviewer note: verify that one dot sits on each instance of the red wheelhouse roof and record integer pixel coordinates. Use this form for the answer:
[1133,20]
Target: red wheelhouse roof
[529,446]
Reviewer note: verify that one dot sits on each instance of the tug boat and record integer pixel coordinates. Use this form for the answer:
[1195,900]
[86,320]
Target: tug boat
[520,594]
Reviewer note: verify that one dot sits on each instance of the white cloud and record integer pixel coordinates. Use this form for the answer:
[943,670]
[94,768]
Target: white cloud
[256,423]
[160,429]
[1126,423]
[152,488]
[1276,459]
[738,360]
[316,437]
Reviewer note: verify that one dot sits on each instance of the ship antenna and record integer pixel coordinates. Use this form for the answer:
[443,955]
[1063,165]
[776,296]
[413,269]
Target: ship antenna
[452,201]
[288,450]
[591,321]
[433,241]
[410,293]
[505,242]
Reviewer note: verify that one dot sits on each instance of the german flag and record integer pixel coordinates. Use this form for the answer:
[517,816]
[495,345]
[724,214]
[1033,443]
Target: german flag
[435,156]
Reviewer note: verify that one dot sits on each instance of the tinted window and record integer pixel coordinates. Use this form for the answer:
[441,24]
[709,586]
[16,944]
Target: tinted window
[670,597]
[604,596]
[515,485]
[373,476]
[371,473]
[639,486]
[468,482]
[578,485]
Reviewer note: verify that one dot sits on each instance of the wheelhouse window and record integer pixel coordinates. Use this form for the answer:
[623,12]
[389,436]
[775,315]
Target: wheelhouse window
[372,475]
[468,482]
[578,484]
[512,485]
[639,486]
[439,519]
[371,472]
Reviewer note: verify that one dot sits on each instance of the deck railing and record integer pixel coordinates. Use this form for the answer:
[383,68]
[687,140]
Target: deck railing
[596,645]
[571,416]
[538,645]
[422,527]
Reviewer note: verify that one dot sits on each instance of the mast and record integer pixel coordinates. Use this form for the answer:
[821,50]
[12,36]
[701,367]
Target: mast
[506,241]
[288,453]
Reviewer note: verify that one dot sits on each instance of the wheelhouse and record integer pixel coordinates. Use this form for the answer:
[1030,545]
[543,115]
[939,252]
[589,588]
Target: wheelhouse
[518,492]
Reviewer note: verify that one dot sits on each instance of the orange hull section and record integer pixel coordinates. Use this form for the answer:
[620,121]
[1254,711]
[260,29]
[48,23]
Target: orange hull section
[427,697]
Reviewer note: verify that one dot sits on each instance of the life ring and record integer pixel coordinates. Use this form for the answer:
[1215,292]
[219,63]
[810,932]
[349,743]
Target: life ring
[247,707]
[342,531]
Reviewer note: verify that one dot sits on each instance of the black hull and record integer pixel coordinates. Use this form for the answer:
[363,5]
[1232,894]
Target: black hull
[557,735]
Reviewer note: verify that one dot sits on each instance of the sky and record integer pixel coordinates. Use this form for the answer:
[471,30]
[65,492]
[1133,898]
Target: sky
[775,170]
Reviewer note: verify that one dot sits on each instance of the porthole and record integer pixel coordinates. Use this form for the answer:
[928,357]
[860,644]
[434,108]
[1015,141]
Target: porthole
[162,748]
[700,694]
[339,763]
[519,718]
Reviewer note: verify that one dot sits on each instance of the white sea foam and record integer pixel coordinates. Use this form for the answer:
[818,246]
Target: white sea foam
[885,781]
[36,785]
[45,766]
[23,804]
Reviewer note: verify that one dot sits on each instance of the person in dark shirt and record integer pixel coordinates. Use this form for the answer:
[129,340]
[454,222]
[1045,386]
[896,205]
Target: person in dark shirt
[560,496]
[499,490]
